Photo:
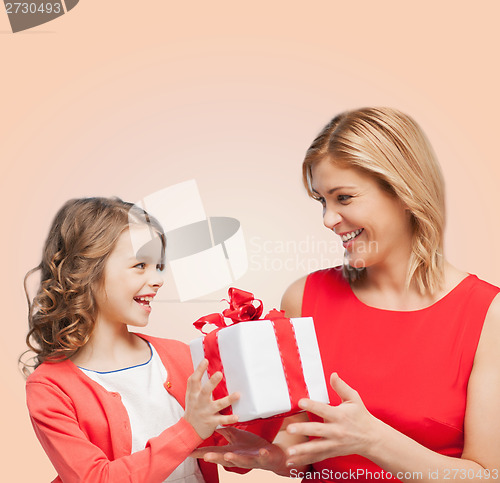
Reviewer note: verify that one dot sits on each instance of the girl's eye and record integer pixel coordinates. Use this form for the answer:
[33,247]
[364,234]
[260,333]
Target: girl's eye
[140,265]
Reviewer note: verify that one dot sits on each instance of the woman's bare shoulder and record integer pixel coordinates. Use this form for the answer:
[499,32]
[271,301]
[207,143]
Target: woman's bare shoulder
[490,335]
[291,301]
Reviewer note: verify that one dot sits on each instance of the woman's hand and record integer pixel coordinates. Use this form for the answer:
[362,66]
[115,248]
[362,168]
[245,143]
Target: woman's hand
[245,450]
[202,412]
[347,429]
[248,450]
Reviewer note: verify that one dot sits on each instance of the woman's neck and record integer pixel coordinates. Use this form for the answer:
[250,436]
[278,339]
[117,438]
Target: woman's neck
[385,288]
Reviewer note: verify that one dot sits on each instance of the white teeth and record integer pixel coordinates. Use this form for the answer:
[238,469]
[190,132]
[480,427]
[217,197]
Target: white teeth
[353,234]
[145,299]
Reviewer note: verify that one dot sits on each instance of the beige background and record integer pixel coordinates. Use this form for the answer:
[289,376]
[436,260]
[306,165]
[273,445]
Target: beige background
[124,98]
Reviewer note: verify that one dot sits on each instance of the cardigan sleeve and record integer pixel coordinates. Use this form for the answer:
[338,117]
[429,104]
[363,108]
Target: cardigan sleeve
[76,459]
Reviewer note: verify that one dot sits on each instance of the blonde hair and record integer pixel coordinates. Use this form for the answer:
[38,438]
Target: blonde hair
[81,238]
[392,148]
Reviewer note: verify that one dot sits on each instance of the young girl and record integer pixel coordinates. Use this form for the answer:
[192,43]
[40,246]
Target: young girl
[107,404]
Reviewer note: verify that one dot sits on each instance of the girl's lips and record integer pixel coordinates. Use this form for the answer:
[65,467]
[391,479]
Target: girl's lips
[145,306]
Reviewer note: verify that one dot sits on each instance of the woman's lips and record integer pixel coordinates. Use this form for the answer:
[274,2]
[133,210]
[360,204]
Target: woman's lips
[350,242]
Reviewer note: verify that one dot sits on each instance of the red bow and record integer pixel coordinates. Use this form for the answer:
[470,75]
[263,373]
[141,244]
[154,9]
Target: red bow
[241,308]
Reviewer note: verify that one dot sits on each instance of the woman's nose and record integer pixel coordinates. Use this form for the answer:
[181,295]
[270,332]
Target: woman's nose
[331,218]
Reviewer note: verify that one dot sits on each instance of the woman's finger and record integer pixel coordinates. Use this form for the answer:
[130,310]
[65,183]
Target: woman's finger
[310,452]
[242,460]
[308,429]
[346,392]
[204,450]
[320,409]
[217,458]
[229,434]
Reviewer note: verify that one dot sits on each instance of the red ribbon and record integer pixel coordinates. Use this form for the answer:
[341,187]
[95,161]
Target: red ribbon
[290,357]
[242,308]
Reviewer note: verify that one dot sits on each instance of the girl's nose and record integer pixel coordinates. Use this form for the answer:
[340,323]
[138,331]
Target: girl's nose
[156,279]
[331,218]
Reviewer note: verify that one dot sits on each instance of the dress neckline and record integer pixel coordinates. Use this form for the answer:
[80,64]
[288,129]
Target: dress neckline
[438,302]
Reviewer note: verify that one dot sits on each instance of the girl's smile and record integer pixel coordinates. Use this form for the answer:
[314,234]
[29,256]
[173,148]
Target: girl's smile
[144,301]
[131,280]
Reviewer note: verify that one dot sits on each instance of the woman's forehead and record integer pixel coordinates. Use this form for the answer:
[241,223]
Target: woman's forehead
[327,175]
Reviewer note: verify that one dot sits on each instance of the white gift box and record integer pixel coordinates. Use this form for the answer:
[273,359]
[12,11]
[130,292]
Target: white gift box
[253,366]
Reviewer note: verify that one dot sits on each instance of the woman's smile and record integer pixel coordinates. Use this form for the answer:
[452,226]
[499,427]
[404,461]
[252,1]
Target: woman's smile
[349,237]
[373,225]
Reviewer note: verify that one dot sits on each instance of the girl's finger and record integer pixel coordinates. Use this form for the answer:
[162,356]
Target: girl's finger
[194,380]
[212,383]
[224,402]
[225,420]
[199,371]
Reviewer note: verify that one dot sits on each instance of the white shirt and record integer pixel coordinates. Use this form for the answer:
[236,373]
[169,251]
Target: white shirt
[151,409]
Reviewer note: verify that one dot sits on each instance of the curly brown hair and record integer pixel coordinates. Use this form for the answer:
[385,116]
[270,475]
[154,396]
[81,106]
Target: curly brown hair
[81,238]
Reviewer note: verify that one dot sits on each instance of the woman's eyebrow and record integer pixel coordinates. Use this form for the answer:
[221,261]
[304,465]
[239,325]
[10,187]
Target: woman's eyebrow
[340,188]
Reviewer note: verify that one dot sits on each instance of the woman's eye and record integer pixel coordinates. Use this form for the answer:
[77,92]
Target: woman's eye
[343,198]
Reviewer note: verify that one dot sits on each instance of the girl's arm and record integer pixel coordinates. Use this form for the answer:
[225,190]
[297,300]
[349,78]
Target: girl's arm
[76,459]
[350,429]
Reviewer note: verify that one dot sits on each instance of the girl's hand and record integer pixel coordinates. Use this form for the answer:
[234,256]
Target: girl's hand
[245,450]
[202,412]
[347,429]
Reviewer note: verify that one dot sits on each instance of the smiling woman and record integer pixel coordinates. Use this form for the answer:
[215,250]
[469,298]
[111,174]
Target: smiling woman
[409,341]
[388,148]
[367,218]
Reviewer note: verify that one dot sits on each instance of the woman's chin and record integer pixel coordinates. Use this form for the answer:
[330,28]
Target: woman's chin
[356,263]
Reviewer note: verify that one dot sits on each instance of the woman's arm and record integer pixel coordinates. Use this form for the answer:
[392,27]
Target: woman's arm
[77,459]
[350,429]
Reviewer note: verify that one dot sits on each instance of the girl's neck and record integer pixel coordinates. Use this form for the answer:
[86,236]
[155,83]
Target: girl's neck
[111,348]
